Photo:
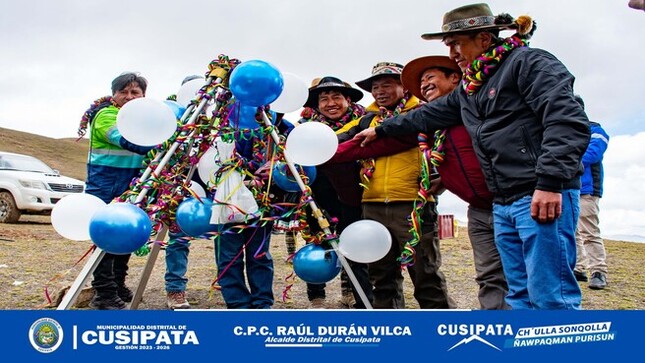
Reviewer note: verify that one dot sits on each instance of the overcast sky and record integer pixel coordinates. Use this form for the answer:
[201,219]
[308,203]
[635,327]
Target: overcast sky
[56,57]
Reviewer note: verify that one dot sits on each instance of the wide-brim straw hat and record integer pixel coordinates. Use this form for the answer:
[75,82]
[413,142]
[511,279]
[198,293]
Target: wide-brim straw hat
[411,75]
[328,83]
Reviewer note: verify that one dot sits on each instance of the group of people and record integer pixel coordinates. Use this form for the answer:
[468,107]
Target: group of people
[495,122]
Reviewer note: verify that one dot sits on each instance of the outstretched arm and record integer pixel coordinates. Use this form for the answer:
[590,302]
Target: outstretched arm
[438,114]
[354,149]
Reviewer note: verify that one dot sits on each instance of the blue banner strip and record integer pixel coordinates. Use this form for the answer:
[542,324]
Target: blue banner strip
[320,336]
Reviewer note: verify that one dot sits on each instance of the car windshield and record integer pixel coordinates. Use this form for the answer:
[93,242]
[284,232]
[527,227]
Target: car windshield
[23,163]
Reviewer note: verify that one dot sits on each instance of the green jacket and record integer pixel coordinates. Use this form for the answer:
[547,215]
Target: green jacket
[105,143]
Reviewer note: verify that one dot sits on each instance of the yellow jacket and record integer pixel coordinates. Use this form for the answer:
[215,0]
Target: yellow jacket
[395,177]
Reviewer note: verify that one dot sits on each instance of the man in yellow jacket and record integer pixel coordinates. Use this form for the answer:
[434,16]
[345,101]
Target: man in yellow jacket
[391,186]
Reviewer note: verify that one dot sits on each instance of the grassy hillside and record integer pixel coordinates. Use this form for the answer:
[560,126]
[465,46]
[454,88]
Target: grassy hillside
[66,155]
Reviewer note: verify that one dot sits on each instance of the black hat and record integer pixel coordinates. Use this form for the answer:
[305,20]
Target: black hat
[328,83]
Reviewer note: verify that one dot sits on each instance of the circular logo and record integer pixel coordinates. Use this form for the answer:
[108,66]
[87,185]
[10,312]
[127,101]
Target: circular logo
[45,335]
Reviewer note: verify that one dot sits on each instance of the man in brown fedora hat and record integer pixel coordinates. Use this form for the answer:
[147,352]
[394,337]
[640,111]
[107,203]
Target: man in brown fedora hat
[333,102]
[391,187]
[529,133]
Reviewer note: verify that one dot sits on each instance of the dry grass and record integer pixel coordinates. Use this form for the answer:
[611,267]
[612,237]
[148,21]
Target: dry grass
[33,257]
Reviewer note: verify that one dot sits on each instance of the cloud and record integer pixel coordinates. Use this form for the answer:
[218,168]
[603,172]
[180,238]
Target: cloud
[622,208]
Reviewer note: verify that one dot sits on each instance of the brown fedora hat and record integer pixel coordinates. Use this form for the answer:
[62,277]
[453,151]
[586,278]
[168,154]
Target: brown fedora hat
[474,17]
[381,69]
[328,83]
[411,75]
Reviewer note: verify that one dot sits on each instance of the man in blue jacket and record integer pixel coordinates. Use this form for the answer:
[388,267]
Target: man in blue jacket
[591,253]
[529,135]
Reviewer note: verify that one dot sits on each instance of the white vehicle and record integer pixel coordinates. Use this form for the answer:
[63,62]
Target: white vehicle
[29,186]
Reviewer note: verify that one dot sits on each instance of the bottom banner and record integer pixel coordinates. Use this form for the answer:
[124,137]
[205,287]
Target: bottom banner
[319,336]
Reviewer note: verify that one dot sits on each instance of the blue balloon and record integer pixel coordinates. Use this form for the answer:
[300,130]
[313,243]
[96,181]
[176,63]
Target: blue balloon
[120,228]
[256,83]
[284,179]
[242,116]
[316,265]
[176,108]
[194,216]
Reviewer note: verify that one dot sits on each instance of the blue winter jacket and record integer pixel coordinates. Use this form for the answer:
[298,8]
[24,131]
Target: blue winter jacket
[592,178]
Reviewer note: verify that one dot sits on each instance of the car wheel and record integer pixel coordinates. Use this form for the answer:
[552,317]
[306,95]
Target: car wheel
[9,212]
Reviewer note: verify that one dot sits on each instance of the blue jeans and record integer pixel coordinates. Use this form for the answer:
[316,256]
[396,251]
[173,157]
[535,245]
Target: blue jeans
[539,258]
[177,263]
[237,252]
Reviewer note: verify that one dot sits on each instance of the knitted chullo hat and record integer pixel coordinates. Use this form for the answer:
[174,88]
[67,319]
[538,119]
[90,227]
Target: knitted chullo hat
[381,69]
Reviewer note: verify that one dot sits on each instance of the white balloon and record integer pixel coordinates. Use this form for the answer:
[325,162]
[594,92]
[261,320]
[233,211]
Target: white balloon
[293,96]
[146,122]
[365,241]
[197,189]
[188,91]
[208,166]
[71,215]
[311,143]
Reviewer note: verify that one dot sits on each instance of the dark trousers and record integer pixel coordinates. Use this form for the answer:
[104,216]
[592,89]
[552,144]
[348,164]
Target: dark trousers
[361,273]
[349,215]
[108,183]
[488,263]
[327,199]
[109,274]
[430,288]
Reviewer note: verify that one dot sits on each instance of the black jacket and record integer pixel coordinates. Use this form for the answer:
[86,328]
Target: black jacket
[527,129]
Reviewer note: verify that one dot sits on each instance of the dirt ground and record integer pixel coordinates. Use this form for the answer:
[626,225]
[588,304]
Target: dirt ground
[35,261]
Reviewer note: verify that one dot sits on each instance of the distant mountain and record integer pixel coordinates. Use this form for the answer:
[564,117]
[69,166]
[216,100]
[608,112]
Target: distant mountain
[626,238]
[66,155]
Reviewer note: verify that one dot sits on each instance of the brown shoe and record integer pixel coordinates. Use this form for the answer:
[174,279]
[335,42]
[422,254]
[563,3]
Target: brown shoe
[317,303]
[177,300]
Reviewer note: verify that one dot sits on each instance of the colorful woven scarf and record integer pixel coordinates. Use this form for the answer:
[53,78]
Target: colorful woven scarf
[486,64]
[95,107]
[386,113]
[369,165]
[438,151]
[408,252]
[353,112]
